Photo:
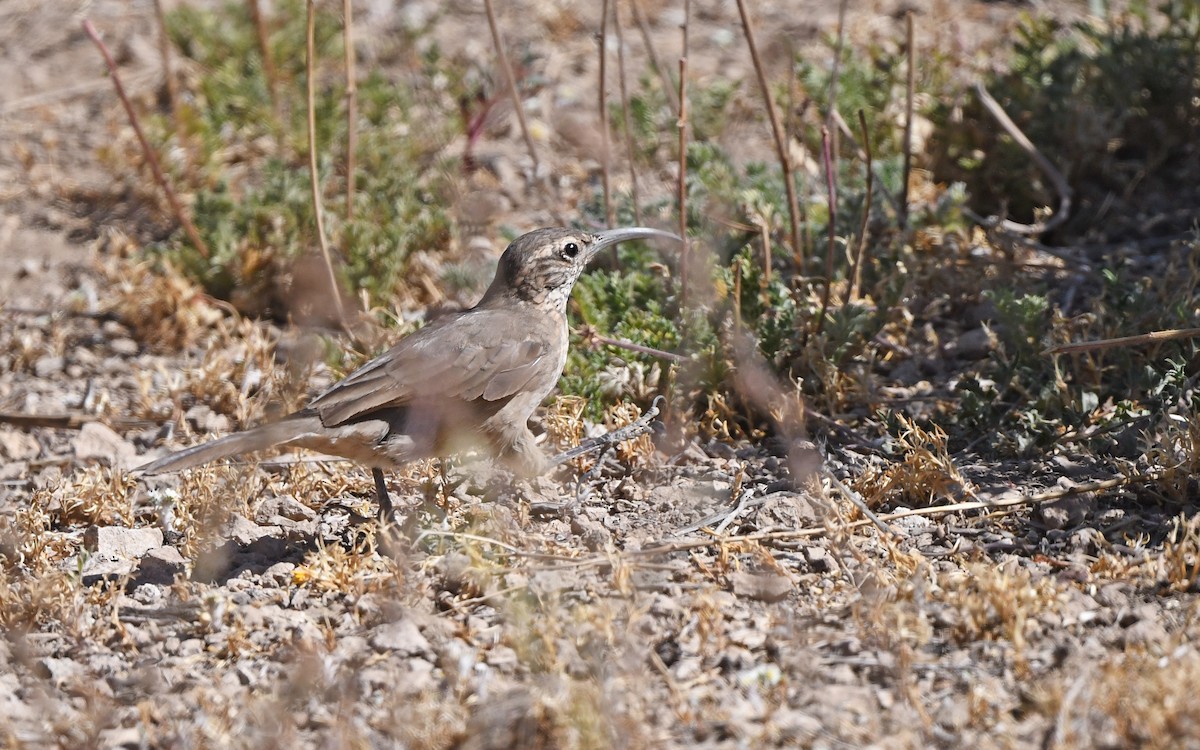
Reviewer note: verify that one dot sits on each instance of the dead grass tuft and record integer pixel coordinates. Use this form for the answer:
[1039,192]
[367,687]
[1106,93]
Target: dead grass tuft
[92,495]
[165,310]
[354,571]
[924,474]
[995,602]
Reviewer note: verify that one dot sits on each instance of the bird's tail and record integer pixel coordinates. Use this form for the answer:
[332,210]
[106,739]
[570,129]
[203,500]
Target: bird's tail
[255,439]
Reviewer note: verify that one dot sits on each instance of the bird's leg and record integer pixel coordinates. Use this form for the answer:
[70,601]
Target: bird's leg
[386,511]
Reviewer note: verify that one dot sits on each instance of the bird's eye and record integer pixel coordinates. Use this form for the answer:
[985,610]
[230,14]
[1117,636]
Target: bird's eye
[570,250]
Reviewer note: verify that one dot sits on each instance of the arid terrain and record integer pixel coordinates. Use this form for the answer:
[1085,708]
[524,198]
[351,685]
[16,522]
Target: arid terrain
[714,584]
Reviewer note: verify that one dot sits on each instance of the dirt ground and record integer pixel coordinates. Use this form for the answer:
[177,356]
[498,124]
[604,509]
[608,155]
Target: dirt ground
[663,600]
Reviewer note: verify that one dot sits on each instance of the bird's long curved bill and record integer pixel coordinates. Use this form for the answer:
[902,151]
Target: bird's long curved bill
[611,237]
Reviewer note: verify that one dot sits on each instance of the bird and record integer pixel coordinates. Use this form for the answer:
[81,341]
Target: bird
[472,378]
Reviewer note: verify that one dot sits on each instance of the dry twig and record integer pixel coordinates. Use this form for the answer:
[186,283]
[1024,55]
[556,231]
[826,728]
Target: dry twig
[602,106]
[511,80]
[268,60]
[312,163]
[164,50]
[831,188]
[626,121]
[681,185]
[908,118]
[856,266]
[351,106]
[648,42]
[151,158]
[1155,337]
[781,143]
[1056,179]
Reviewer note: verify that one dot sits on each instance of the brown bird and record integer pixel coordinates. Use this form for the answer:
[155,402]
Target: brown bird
[468,378]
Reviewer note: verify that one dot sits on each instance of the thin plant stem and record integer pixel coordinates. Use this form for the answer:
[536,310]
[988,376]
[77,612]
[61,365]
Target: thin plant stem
[908,117]
[737,293]
[860,252]
[1061,186]
[835,77]
[315,177]
[511,80]
[648,42]
[268,60]
[781,143]
[351,106]
[764,233]
[147,151]
[164,50]
[630,151]
[681,186]
[831,188]
[602,104]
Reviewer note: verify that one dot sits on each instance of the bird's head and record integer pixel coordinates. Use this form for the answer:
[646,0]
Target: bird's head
[541,267]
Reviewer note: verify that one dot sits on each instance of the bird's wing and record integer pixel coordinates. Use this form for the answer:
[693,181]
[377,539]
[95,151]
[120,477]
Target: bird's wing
[471,356]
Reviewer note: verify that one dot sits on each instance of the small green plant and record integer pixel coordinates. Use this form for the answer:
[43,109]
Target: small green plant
[1113,103]
[245,160]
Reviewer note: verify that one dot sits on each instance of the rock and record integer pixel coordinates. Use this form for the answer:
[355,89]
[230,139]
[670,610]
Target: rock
[160,566]
[206,420]
[12,707]
[59,671]
[18,446]
[280,573]
[124,346]
[47,366]
[460,576]
[99,442]
[505,721]
[973,344]
[1060,514]
[118,542]
[402,637]
[283,506]
[819,559]
[123,737]
[244,532]
[99,569]
[764,587]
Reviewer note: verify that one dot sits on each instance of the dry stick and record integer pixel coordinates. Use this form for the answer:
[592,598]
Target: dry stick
[310,65]
[781,143]
[831,188]
[908,118]
[681,186]
[602,103]
[268,60]
[764,233]
[629,149]
[667,548]
[1144,338]
[642,426]
[648,42]
[856,266]
[351,106]
[639,348]
[151,158]
[511,79]
[737,293]
[844,129]
[790,534]
[1056,178]
[835,74]
[164,49]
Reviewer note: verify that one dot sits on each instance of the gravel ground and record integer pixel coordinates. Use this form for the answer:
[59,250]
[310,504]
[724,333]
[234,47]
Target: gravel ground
[258,604]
